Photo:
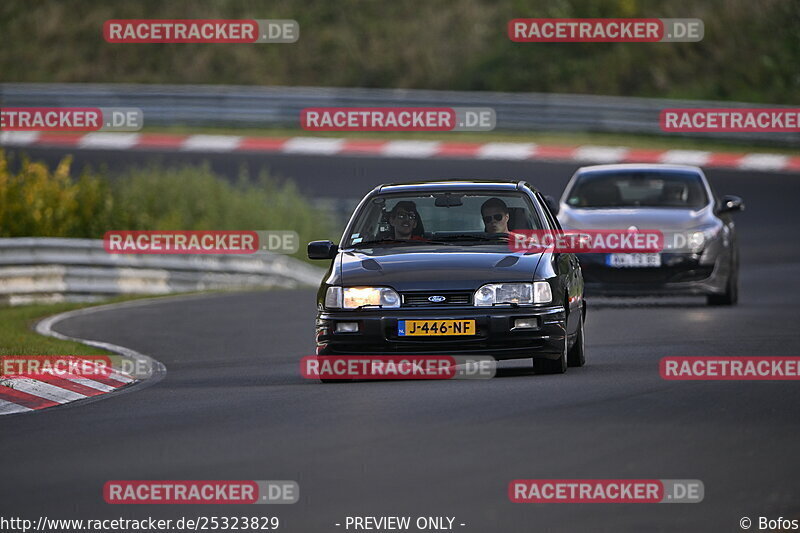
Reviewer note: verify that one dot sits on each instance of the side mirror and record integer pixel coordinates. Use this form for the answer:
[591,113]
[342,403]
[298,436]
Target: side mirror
[322,250]
[730,204]
[552,204]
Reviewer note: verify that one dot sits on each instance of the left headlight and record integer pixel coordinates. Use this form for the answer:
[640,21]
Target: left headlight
[513,293]
[356,297]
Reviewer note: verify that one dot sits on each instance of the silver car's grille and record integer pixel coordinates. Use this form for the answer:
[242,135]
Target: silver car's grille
[422,299]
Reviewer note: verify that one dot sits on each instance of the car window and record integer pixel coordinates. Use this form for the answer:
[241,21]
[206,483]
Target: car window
[457,216]
[638,189]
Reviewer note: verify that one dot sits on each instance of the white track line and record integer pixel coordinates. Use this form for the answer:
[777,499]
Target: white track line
[764,161]
[410,148]
[18,138]
[45,390]
[93,384]
[329,146]
[313,146]
[8,408]
[601,154]
[211,143]
[686,157]
[109,141]
[506,151]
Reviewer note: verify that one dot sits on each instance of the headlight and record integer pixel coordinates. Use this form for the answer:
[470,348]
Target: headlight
[513,293]
[355,297]
[699,238]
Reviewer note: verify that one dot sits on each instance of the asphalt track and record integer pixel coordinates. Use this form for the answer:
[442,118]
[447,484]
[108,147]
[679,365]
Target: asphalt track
[233,405]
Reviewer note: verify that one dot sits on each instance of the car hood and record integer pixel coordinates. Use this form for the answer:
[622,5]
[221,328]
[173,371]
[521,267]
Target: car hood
[442,269]
[663,219]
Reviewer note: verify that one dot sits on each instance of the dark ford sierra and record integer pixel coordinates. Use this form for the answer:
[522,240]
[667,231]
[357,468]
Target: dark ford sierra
[426,269]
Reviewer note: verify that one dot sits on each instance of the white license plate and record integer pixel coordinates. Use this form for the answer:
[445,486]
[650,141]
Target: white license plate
[633,260]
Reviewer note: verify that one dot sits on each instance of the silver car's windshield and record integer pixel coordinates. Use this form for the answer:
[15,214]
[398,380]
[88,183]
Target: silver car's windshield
[638,189]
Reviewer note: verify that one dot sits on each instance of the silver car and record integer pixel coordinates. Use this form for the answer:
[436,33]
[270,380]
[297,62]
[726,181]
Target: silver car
[700,255]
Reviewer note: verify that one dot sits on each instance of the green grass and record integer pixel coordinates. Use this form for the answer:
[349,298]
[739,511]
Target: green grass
[554,138]
[18,337]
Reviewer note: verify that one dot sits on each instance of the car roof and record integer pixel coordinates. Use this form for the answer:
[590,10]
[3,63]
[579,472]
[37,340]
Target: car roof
[641,167]
[452,184]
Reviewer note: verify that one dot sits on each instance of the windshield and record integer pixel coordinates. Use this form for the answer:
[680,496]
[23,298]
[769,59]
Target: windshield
[442,218]
[638,189]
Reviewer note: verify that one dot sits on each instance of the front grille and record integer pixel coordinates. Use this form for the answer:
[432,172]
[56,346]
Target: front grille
[633,276]
[421,299]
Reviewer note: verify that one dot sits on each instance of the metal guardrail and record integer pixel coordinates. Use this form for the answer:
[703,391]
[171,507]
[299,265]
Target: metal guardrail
[243,106]
[52,269]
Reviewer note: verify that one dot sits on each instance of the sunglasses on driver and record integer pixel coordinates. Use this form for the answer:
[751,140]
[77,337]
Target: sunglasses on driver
[497,217]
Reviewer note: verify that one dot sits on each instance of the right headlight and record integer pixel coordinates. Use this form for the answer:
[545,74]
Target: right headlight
[513,293]
[358,297]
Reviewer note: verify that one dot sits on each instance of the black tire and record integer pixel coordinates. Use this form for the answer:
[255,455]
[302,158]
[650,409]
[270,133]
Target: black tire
[731,294]
[552,366]
[576,356]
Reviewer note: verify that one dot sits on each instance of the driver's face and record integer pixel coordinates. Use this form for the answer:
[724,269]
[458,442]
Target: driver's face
[403,223]
[490,219]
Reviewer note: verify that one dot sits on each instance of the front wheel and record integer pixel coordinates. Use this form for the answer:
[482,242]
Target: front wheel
[731,294]
[552,366]
[577,354]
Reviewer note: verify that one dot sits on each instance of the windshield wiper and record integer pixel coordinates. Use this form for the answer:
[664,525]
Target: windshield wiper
[386,241]
[497,237]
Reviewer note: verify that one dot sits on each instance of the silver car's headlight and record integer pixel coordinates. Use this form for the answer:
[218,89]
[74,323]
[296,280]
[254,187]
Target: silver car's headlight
[697,239]
[513,293]
[357,297]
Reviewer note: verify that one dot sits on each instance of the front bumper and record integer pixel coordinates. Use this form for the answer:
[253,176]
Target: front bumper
[495,333]
[679,274]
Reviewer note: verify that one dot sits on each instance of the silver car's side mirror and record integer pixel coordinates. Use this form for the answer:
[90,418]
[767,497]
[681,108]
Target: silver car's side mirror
[730,204]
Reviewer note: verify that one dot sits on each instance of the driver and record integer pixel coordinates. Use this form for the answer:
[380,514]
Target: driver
[495,215]
[404,219]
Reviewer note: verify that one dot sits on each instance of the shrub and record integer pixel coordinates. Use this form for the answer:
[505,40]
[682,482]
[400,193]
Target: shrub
[37,202]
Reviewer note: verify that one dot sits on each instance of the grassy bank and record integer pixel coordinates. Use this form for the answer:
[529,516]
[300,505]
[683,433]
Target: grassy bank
[36,201]
[749,52]
[17,336]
